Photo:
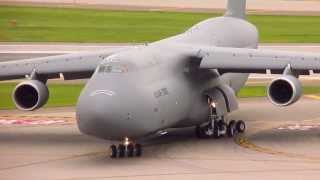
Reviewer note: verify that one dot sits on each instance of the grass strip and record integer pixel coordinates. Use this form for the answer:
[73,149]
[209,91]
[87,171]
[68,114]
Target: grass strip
[48,24]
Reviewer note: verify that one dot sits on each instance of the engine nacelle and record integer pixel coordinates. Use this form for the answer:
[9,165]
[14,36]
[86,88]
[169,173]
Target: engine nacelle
[30,95]
[284,91]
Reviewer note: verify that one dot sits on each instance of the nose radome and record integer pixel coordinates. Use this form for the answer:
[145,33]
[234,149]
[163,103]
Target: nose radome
[106,116]
[96,115]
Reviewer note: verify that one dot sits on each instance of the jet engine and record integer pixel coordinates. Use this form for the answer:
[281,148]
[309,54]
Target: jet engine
[284,91]
[30,95]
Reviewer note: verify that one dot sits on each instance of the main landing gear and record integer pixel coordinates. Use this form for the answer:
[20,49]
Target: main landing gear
[218,127]
[125,149]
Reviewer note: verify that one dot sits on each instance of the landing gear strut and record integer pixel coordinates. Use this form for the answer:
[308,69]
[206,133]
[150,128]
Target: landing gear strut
[218,127]
[125,149]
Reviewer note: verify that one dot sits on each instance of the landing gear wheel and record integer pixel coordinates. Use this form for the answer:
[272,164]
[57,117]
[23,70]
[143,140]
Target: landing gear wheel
[122,150]
[130,150]
[125,149]
[241,126]
[113,151]
[138,150]
[222,127]
[231,129]
[216,130]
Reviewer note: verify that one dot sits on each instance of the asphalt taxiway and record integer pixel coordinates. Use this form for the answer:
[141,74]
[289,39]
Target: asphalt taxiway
[279,143]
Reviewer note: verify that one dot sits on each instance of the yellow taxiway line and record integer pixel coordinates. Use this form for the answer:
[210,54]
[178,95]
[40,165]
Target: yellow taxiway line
[242,141]
[312,96]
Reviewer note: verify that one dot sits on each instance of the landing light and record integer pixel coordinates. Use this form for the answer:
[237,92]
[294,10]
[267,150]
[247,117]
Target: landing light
[213,104]
[126,141]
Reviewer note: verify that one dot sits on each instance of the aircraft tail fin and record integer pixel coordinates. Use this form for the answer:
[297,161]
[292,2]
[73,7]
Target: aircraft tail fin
[236,8]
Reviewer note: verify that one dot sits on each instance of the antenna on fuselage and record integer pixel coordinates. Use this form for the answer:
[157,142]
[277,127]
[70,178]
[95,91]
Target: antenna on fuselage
[236,8]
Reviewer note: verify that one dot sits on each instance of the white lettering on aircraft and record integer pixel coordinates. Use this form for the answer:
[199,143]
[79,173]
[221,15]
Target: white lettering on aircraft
[104,92]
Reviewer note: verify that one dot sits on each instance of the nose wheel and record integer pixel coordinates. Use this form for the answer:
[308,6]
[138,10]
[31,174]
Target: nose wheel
[125,149]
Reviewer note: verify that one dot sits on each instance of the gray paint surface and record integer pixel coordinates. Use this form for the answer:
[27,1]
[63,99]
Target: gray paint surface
[141,90]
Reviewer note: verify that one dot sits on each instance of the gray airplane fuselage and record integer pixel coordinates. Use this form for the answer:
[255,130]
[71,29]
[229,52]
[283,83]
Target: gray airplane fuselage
[153,87]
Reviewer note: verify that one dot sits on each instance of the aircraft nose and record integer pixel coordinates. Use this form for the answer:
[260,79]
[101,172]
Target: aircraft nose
[106,115]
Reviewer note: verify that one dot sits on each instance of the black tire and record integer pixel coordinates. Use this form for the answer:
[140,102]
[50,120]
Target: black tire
[216,130]
[241,126]
[121,150]
[138,150]
[130,150]
[231,129]
[113,151]
[222,125]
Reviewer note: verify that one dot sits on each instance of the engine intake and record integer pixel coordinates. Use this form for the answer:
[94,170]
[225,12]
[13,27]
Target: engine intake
[284,91]
[30,95]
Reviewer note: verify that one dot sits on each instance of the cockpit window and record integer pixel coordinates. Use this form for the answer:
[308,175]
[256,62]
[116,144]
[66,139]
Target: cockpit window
[112,68]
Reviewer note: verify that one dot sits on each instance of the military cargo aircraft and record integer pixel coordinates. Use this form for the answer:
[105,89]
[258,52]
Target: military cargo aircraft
[188,80]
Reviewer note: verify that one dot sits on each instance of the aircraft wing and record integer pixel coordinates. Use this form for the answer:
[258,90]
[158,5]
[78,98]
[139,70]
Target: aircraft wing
[72,66]
[258,61]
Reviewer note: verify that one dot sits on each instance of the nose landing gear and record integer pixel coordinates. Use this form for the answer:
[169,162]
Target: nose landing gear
[125,149]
